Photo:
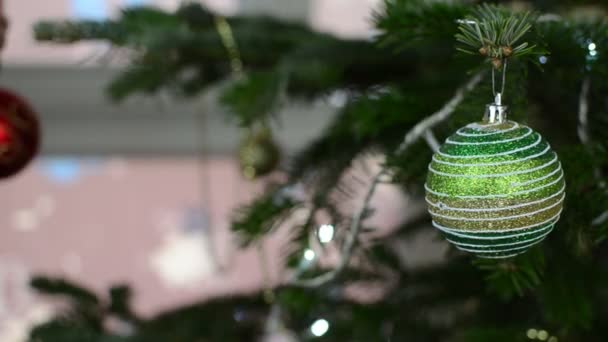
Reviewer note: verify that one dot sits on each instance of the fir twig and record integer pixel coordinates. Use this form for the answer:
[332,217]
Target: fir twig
[431,140]
[439,116]
[356,224]
[583,112]
[495,33]
[600,219]
[350,242]
[583,122]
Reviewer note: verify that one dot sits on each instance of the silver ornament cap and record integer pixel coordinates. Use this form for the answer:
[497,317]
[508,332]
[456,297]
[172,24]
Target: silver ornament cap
[496,113]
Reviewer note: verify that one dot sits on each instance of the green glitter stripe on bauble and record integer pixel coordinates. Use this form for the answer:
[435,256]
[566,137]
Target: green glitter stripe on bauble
[500,255]
[513,196]
[515,158]
[499,138]
[510,223]
[527,170]
[502,184]
[475,150]
[481,129]
[536,147]
[492,249]
[501,246]
[508,241]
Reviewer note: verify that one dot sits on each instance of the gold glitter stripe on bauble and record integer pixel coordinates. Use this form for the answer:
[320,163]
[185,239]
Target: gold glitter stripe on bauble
[499,225]
[502,233]
[487,216]
[452,208]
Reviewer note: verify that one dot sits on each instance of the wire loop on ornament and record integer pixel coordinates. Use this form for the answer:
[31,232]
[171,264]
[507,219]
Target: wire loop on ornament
[504,79]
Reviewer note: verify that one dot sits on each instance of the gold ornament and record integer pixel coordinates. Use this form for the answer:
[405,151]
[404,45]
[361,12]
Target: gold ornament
[258,154]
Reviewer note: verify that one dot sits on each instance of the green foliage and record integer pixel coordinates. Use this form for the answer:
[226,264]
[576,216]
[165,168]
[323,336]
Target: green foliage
[495,32]
[63,287]
[566,298]
[225,319]
[255,96]
[63,331]
[262,216]
[417,23]
[516,276]
[498,334]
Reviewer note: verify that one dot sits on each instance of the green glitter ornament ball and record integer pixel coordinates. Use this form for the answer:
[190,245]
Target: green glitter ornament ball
[495,189]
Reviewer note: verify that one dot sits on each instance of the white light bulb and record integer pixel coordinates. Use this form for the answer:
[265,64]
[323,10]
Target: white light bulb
[309,255]
[592,52]
[319,327]
[542,59]
[326,233]
[591,46]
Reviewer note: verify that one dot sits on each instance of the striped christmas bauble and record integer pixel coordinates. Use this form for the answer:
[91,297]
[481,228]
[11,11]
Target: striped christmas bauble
[495,189]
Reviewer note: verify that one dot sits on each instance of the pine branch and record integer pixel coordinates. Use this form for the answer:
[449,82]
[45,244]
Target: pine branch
[263,215]
[441,115]
[414,134]
[350,242]
[495,33]
[183,52]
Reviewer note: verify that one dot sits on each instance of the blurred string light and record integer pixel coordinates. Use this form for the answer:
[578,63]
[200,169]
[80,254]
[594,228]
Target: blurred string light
[532,333]
[320,327]
[543,59]
[309,255]
[592,49]
[541,335]
[592,52]
[62,170]
[67,170]
[326,233]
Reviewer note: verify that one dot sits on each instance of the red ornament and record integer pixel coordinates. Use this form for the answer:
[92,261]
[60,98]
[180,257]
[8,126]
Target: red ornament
[19,133]
[5,134]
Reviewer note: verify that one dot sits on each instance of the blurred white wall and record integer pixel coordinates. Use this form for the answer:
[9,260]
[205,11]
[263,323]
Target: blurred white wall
[346,18]
[77,117]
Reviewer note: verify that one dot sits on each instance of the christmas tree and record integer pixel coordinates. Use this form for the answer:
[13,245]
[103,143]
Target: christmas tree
[495,188]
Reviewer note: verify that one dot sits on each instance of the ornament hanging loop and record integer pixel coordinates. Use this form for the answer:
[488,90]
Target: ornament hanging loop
[496,113]
[503,77]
